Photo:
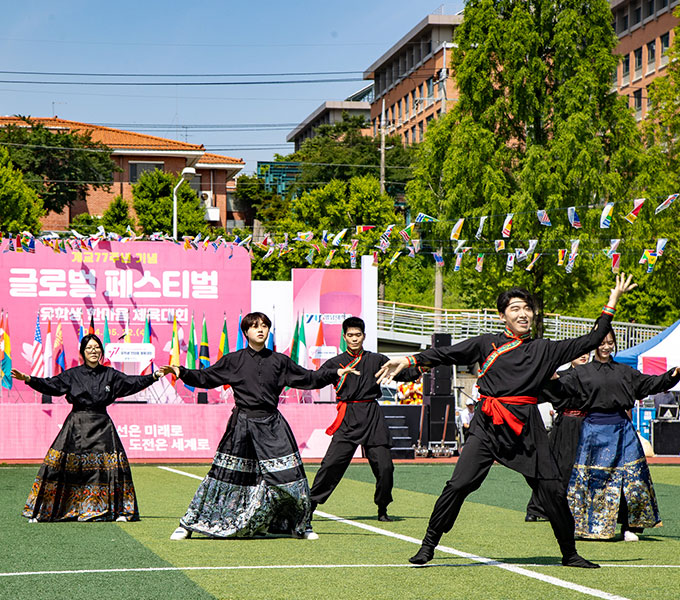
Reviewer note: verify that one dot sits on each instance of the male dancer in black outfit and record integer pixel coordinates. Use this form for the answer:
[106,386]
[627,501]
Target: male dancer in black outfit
[507,425]
[360,420]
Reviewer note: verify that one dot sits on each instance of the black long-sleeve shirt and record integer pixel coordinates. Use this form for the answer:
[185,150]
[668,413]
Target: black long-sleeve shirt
[257,377]
[606,387]
[521,371]
[364,385]
[91,387]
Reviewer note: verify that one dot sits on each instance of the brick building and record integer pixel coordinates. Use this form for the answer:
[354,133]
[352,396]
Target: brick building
[645,31]
[135,153]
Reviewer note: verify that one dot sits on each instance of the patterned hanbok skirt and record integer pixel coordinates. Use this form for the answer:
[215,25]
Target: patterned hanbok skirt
[610,467]
[256,485]
[85,475]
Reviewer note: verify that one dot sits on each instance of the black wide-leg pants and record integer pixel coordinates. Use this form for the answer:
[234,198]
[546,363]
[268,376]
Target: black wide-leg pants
[471,469]
[339,456]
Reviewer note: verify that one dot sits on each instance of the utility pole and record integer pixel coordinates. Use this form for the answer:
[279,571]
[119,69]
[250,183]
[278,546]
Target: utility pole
[382,148]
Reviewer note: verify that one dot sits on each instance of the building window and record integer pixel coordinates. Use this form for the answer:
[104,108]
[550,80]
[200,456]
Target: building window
[637,103]
[624,21]
[637,15]
[195,184]
[649,8]
[625,72]
[399,112]
[430,88]
[651,56]
[661,4]
[413,102]
[649,100]
[637,57]
[665,44]
[406,107]
[375,127]
[421,130]
[421,95]
[137,168]
[413,134]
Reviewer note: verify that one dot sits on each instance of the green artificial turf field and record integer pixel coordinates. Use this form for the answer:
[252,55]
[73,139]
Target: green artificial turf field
[493,553]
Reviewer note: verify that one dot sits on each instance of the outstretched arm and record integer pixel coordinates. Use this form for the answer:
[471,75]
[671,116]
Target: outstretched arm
[51,386]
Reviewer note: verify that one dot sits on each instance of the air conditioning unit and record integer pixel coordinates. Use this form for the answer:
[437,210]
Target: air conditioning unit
[207,198]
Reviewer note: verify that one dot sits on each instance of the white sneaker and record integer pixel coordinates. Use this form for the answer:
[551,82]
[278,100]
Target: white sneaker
[33,520]
[629,536]
[180,534]
[122,519]
[310,535]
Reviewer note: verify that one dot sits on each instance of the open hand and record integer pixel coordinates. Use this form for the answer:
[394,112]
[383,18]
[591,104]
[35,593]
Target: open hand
[390,369]
[346,370]
[623,284]
[20,376]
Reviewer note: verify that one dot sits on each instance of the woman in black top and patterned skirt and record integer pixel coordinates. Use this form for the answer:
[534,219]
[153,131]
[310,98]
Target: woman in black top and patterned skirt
[611,479]
[257,483]
[85,475]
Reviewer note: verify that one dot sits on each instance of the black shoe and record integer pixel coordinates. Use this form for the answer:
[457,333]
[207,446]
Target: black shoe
[384,517]
[534,519]
[424,555]
[574,560]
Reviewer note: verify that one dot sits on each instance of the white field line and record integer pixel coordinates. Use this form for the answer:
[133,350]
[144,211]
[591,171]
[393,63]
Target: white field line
[478,559]
[277,567]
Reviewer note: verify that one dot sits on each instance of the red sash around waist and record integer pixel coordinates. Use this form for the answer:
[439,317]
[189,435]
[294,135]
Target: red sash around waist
[494,408]
[342,409]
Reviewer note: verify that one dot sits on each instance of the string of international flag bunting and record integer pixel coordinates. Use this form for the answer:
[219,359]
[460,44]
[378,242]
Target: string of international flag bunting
[331,243]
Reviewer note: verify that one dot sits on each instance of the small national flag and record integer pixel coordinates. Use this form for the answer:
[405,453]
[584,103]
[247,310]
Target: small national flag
[460,247]
[507,225]
[651,261]
[438,259]
[534,260]
[480,229]
[457,228]
[543,218]
[271,339]
[47,353]
[6,364]
[606,216]
[190,360]
[59,353]
[174,348]
[459,262]
[616,260]
[520,254]
[319,343]
[423,218]
[395,256]
[499,245]
[37,364]
[510,263]
[329,258]
[90,329]
[666,203]
[407,232]
[310,256]
[363,228]
[223,347]
[204,350]
[338,238]
[148,369]
[295,343]
[240,337]
[660,246]
[613,246]
[480,262]
[572,215]
[561,253]
[633,214]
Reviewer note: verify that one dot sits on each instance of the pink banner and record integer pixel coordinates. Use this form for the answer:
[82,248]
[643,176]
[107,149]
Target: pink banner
[124,283]
[654,365]
[152,432]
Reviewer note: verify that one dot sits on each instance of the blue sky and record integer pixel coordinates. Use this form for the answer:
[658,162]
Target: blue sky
[202,37]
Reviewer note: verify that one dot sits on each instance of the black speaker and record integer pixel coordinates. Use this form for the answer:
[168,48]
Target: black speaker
[202,398]
[442,372]
[440,387]
[427,384]
[46,399]
[441,339]
[438,406]
[666,437]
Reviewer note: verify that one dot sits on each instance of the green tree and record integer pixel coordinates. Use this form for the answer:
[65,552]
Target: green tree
[152,201]
[251,195]
[59,165]
[536,127]
[331,208]
[20,207]
[85,223]
[342,151]
[117,217]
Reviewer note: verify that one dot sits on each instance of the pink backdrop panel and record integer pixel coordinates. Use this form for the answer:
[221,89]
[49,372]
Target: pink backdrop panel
[123,283]
[154,432]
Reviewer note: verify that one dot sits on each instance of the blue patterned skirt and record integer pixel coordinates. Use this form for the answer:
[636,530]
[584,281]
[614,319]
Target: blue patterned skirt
[256,485]
[610,467]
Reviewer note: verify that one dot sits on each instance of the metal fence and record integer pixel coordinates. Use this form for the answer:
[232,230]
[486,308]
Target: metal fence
[417,324]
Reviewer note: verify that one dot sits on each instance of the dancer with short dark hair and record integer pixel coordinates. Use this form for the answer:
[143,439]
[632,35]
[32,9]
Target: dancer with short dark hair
[360,420]
[86,475]
[257,483]
[507,426]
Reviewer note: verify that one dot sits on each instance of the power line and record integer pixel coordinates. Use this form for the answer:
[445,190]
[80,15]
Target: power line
[183,83]
[277,74]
